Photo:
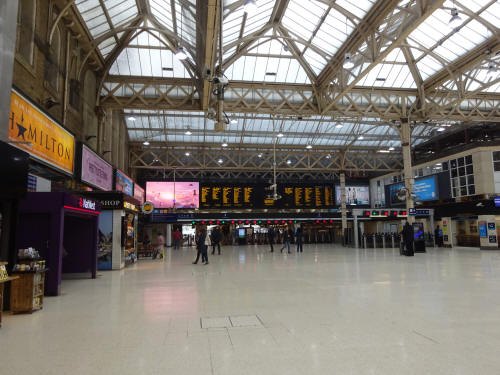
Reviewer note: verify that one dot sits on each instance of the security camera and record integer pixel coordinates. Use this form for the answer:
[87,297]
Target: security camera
[207,72]
[220,80]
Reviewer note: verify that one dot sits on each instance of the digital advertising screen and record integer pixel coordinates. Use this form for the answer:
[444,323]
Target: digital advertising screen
[95,170]
[124,183]
[425,189]
[166,194]
[354,195]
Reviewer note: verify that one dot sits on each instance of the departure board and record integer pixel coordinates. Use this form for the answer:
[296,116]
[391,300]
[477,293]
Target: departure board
[293,196]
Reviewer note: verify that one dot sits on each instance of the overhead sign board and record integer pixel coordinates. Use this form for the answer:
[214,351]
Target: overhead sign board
[124,183]
[95,170]
[34,132]
[416,212]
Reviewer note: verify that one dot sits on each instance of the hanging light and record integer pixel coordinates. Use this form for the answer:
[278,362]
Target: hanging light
[328,156]
[250,6]
[361,137]
[491,70]
[188,132]
[181,54]
[289,162]
[220,161]
[309,147]
[391,148]
[187,154]
[348,63]
[339,126]
[224,143]
[455,19]
[280,135]
[259,155]
[441,129]
[145,143]
[131,118]
[234,121]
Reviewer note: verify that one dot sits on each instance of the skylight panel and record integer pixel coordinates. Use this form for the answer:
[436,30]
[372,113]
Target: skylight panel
[357,7]
[162,11]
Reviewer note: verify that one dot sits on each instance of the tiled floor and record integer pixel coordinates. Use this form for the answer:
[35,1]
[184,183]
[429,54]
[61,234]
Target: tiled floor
[329,310]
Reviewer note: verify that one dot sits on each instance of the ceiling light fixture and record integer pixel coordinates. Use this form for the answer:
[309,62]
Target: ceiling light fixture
[234,121]
[188,132]
[250,7]
[348,63]
[131,118]
[339,126]
[145,143]
[187,154]
[181,54]
[328,156]
[441,129]
[455,18]
[309,147]
[391,148]
[361,137]
[224,143]
[280,135]
[220,161]
[289,162]
[384,151]
[259,155]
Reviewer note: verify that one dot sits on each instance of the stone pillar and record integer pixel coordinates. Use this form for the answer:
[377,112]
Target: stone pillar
[343,208]
[8,25]
[408,173]
[168,236]
[115,140]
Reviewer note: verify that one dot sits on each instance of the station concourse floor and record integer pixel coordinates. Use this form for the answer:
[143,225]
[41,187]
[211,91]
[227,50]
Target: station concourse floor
[329,310]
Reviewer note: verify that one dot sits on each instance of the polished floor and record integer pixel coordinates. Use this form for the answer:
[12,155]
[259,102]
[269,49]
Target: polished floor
[328,310]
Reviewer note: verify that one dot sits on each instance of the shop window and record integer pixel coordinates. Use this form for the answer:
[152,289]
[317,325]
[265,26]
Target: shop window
[468,159]
[26,30]
[472,190]
[445,166]
[52,62]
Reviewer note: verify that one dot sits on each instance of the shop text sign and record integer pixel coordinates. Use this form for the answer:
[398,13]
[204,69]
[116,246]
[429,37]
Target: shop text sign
[139,193]
[96,171]
[35,133]
[86,204]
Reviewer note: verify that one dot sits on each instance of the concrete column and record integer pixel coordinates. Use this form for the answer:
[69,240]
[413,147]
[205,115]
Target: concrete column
[356,242]
[408,173]
[343,208]
[8,24]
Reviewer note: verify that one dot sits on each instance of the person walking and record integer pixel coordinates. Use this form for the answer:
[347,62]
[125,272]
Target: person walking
[438,236]
[407,234]
[202,242]
[215,238]
[299,239]
[160,243]
[177,235]
[286,240]
[270,238]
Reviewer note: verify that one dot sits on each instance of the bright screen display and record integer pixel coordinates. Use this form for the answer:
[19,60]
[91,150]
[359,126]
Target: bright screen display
[163,194]
[354,195]
[425,189]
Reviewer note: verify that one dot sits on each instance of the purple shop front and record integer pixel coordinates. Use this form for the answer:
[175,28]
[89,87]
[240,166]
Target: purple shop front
[63,227]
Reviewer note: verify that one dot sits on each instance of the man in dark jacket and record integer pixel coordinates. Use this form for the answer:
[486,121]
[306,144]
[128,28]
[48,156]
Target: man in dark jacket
[270,237]
[299,239]
[438,236]
[408,237]
[216,237]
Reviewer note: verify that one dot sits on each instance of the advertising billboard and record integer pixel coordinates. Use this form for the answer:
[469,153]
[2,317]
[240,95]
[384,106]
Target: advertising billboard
[96,171]
[139,193]
[124,183]
[166,194]
[424,188]
[354,195]
[34,132]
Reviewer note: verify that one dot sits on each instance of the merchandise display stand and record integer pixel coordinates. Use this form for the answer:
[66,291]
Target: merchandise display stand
[2,282]
[27,291]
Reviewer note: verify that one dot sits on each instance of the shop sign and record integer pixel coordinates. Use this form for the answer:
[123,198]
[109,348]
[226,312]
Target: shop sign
[124,183]
[86,204]
[491,226]
[497,201]
[492,239]
[96,171]
[112,204]
[130,206]
[482,229]
[147,207]
[34,132]
[138,193]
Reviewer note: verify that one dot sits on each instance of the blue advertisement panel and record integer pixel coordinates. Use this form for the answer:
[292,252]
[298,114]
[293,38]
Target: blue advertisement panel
[425,188]
[104,256]
[124,183]
[497,201]
[483,231]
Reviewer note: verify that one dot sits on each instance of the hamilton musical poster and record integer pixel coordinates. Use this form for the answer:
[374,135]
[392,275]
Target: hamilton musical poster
[35,133]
